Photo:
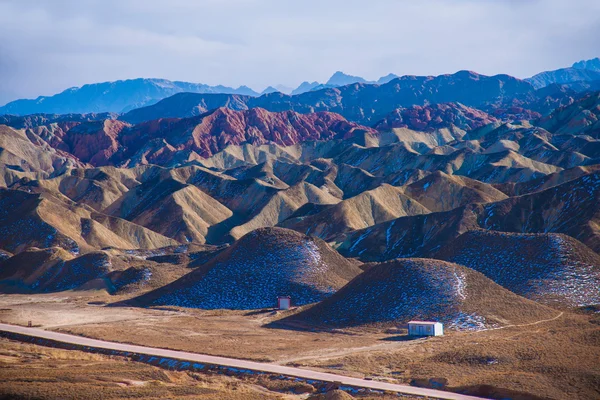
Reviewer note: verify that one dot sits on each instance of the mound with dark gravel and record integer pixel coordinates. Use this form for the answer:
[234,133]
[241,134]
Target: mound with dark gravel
[397,291]
[551,268]
[262,265]
[52,270]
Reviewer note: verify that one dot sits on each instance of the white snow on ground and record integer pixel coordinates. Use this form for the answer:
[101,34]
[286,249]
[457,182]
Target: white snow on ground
[469,322]
[360,239]
[542,267]
[399,291]
[460,285]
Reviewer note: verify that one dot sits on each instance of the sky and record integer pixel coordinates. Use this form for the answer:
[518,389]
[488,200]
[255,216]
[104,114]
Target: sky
[47,46]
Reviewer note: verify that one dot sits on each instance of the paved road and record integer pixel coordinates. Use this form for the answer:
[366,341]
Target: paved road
[232,362]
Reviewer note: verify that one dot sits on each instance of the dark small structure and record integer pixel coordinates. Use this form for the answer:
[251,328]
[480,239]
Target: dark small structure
[284,302]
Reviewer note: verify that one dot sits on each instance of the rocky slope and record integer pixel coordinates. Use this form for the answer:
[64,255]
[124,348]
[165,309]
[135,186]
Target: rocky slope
[23,156]
[172,141]
[392,293]
[591,65]
[553,269]
[34,220]
[579,118]
[363,210]
[258,268]
[563,75]
[54,269]
[436,116]
[570,208]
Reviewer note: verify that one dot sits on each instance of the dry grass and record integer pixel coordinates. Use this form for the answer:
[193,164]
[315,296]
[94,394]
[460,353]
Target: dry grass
[553,360]
[30,371]
[556,359]
[34,372]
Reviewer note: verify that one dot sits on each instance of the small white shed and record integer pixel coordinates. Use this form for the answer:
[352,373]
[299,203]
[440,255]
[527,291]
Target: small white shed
[425,328]
[284,302]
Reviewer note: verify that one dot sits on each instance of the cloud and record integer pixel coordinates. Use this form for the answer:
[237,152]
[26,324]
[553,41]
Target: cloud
[46,47]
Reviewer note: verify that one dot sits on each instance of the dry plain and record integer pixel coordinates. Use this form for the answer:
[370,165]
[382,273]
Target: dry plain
[550,359]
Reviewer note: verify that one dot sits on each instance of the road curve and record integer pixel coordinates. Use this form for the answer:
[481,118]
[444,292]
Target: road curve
[231,362]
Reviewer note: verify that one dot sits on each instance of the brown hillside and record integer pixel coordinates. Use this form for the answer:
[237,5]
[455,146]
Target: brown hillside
[361,211]
[260,266]
[416,236]
[442,192]
[21,154]
[553,269]
[31,220]
[397,291]
[54,269]
[570,208]
[95,187]
[282,205]
[182,212]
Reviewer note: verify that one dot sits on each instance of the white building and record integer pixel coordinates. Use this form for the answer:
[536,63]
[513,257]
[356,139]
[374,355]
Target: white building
[425,328]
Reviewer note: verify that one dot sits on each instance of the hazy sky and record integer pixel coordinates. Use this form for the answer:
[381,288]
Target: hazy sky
[49,45]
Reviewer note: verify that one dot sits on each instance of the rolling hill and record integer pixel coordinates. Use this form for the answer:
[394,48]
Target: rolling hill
[552,269]
[255,270]
[392,293]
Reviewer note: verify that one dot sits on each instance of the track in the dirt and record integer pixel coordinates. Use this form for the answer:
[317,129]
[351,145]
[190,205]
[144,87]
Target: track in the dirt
[88,344]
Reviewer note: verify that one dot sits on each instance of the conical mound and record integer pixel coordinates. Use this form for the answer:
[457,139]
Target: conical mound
[262,265]
[52,270]
[549,268]
[397,291]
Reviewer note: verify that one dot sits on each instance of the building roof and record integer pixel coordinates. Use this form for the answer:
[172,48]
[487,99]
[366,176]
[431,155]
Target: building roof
[424,322]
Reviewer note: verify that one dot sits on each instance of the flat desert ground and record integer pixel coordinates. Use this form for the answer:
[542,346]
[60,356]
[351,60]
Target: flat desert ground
[553,359]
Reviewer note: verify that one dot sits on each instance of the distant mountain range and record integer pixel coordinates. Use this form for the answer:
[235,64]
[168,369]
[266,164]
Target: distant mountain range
[118,96]
[126,95]
[592,65]
[368,104]
[581,71]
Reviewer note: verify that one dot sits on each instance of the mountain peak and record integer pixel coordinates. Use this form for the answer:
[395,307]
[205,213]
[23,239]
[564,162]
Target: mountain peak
[341,79]
[387,78]
[269,89]
[305,87]
[592,65]
[246,90]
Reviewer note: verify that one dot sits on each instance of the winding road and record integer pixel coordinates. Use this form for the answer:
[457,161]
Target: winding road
[88,344]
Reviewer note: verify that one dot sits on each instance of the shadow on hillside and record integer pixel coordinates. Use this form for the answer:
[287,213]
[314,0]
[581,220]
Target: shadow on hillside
[401,338]
[271,311]
[300,327]
[492,392]
[218,234]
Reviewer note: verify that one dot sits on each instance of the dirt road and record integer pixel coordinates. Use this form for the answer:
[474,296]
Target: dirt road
[231,362]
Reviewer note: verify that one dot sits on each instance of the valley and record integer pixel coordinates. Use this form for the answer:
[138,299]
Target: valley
[507,359]
[178,221]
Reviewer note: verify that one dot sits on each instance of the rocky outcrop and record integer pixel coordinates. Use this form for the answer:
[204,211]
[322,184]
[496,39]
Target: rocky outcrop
[436,116]
[581,117]
[173,140]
